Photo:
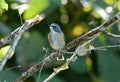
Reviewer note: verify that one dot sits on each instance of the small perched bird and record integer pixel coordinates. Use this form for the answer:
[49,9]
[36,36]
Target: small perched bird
[56,38]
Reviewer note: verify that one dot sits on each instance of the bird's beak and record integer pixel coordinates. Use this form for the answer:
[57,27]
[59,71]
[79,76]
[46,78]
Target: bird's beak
[51,28]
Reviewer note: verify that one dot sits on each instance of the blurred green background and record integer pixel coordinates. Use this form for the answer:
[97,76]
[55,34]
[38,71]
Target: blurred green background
[75,17]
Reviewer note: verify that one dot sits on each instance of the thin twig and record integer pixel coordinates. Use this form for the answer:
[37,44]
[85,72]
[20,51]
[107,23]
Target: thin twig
[22,29]
[93,32]
[111,35]
[113,8]
[38,79]
[8,38]
[72,58]
[12,48]
[36,67]
[21,19]
[14,67]
[70,45]
[95,48]
[11,36]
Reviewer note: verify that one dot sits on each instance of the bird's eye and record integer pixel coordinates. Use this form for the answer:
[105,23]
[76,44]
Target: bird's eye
[54,27]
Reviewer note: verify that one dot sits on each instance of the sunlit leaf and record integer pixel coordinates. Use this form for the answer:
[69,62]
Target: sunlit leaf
[22,8]
[3,52]
[79,29]
[87,5]
[110,2]
[102,13]
[36,7]
[89,63]
[118,5]
[3,6]
[102,39]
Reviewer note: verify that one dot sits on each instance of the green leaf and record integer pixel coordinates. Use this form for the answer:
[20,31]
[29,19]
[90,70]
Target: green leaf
[3,6]
[8,76]
[31,46]
[102,39]
[3,52]
[109,65]
[79,66]
[36,7]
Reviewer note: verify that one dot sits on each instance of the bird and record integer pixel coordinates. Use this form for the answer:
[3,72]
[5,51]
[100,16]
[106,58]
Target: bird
[56,39]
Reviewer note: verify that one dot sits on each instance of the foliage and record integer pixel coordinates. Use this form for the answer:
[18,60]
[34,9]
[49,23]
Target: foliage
[75,17]
[3,51]
[3,6]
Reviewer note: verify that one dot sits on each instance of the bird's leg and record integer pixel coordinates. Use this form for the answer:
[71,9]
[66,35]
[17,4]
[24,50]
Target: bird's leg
[60,55]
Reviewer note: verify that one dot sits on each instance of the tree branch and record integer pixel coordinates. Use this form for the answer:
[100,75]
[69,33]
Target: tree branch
[22,29]
[111,35]
[36,67]
[69,60]
[8,38]
[70,45]
[11,36]
[91,33]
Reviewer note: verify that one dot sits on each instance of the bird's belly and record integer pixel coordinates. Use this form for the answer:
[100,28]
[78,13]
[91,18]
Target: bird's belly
[57,43]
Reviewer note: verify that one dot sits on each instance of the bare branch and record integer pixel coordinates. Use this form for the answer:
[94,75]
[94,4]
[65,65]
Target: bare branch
[11,36]
[36,67]
[103,47]
[46,50]
[111,35]
[70,45]
[93,32]
[72,58]
[95,48]
[8,38]
[22,29]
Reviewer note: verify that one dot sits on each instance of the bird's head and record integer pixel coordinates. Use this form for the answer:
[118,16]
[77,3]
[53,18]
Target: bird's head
[55,27]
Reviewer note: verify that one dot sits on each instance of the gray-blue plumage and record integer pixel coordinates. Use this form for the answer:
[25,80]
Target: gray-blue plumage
[56,38]
[56,27]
